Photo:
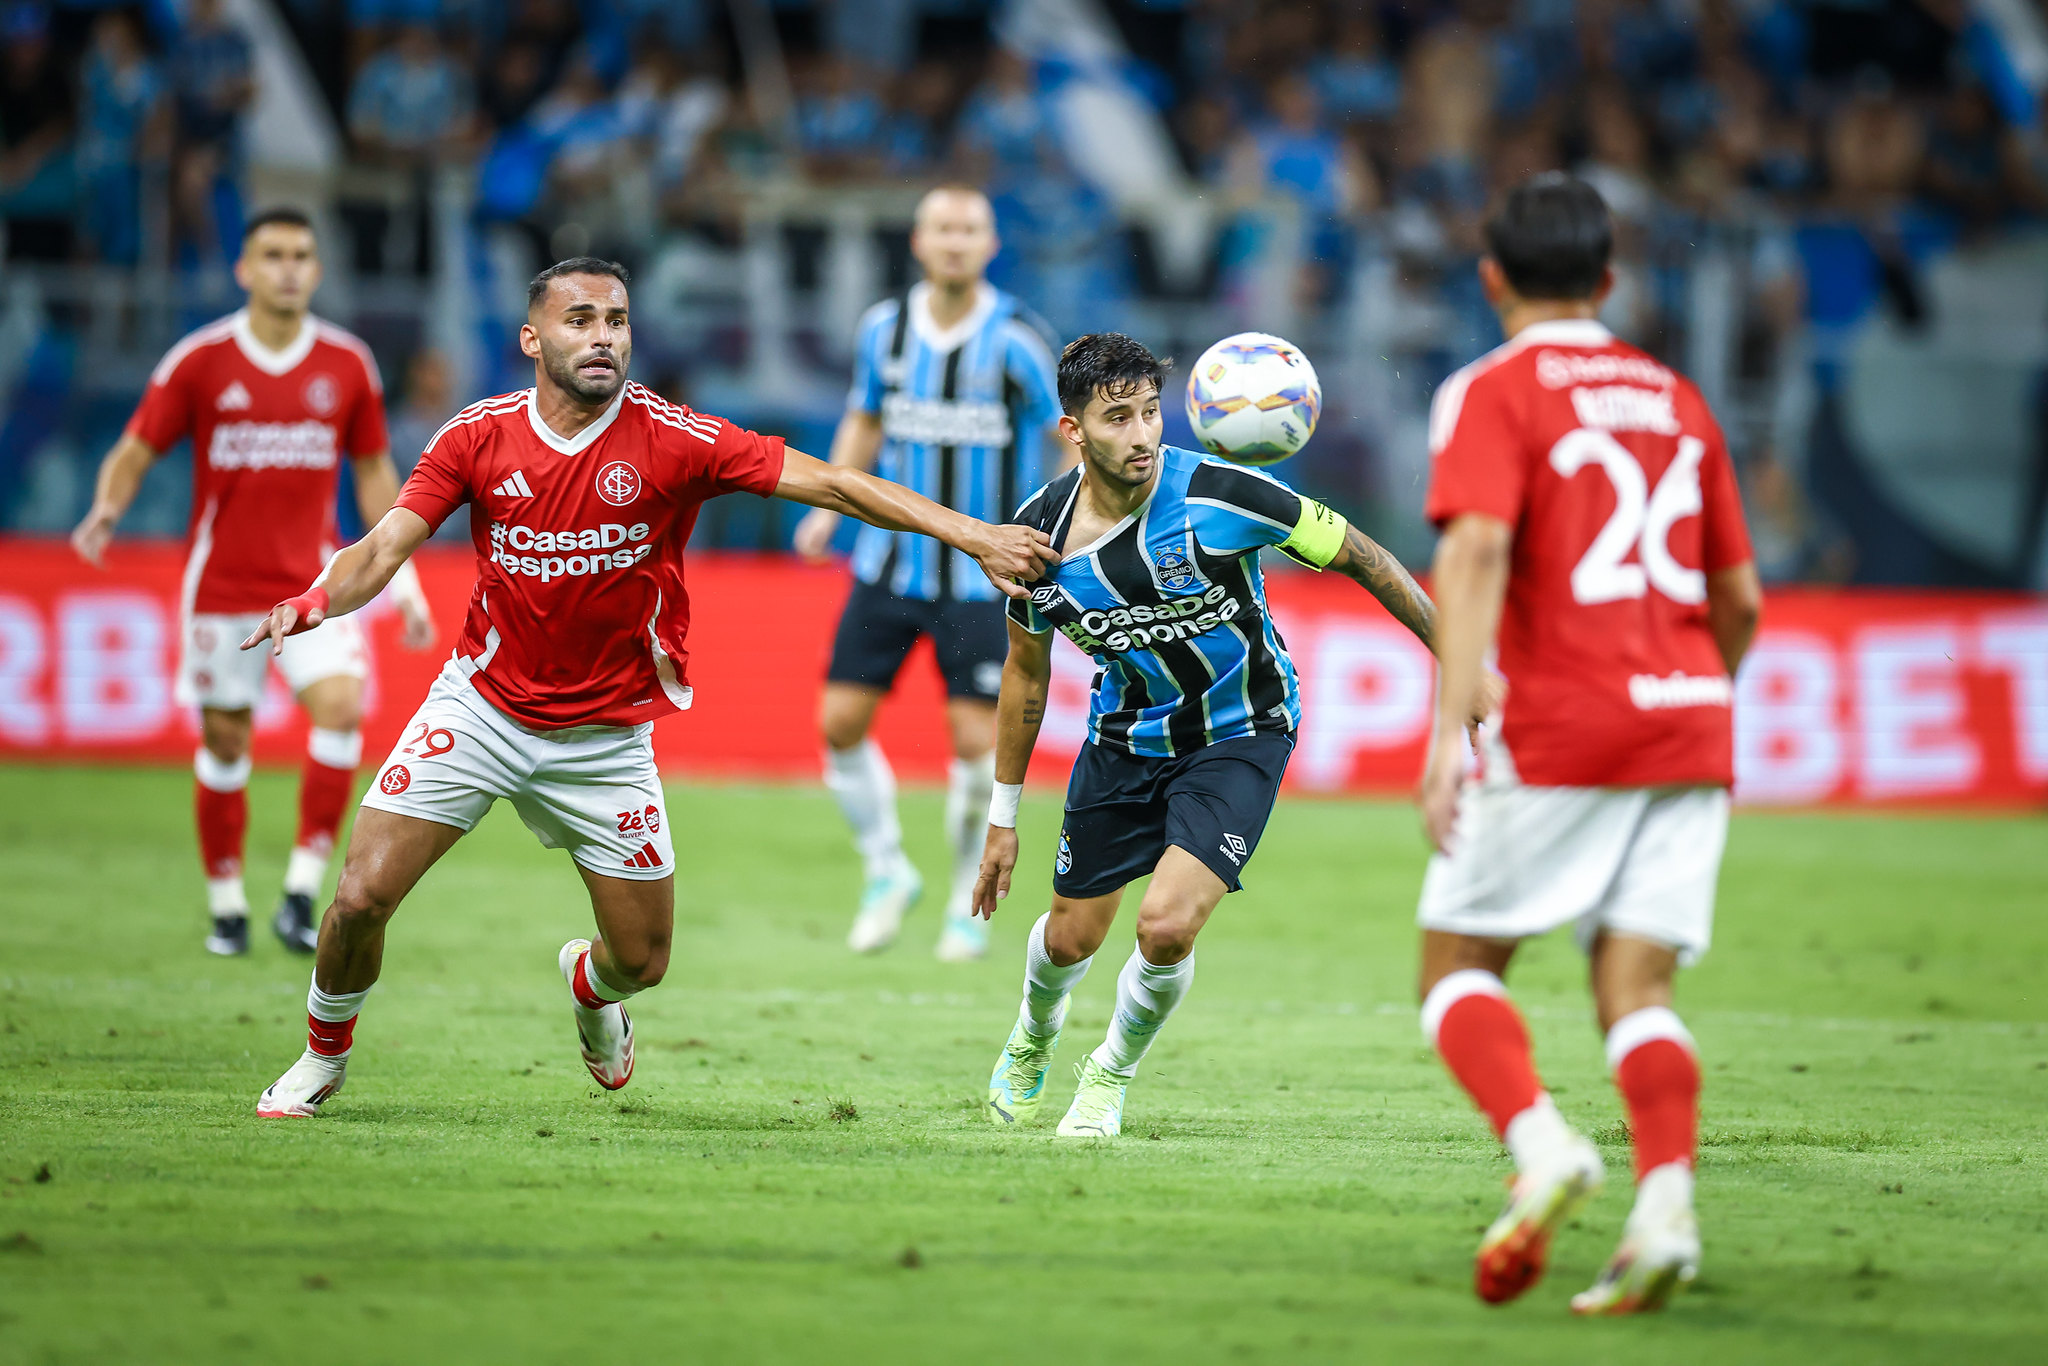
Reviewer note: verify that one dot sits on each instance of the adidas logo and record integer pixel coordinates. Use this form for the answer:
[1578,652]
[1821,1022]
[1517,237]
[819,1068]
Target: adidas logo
[232,399]
[646,858]
[515,487]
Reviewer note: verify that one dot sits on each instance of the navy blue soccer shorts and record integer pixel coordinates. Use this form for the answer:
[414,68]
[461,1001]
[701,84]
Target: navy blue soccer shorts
[878,629]
[1124,810]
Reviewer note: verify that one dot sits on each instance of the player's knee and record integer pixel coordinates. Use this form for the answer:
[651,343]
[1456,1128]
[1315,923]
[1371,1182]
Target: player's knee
[1166,933]
[359,901]
[226,739]
[1068,941]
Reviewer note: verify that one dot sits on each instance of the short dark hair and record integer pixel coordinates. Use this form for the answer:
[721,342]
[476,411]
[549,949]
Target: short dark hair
[1109,364]
[280,217]
[537,288]
[1552,236]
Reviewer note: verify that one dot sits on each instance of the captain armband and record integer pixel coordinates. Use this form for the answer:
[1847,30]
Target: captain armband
[1317,536]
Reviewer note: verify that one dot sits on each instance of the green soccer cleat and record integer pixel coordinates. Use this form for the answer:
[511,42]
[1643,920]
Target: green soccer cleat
[1018,1083]
[1098,1108]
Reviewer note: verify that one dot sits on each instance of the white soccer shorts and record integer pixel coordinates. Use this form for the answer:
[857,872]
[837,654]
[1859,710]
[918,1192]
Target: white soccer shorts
[592,790]
[215,671]
[1641,861]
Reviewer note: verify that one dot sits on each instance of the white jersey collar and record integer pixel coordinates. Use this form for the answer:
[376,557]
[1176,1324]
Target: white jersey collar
[1565,332]
[928,331]
[274,362]
[577,444]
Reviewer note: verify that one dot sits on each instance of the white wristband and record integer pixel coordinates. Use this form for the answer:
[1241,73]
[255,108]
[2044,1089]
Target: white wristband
[1002,805]
[405,587]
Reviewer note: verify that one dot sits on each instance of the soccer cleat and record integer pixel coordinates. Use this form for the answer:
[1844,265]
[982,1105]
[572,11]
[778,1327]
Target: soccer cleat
[884,901]
[1516,1248]
[606,1036]
[963,940]
[294,923]
[1098,1108]
[1657,1256]
[310,1083]
[230,937]
[1018,1083]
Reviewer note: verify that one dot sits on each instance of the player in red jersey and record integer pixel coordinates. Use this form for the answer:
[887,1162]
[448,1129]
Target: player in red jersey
[583,491]
[272,398]
[1592,529]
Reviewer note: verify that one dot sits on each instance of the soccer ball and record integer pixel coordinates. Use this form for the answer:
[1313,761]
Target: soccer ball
[1254,399]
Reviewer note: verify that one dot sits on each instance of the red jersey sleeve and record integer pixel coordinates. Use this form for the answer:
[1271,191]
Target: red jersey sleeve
[366,431]
[742,461]
[1478,462]
[164,417]
[440,483]
[1724,534]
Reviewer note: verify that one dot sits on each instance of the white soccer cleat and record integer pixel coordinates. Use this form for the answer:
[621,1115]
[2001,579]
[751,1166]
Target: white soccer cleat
[884,901]
[1098,1107]
[1516,1248]
[963,940]
[310,1083]
[605,1036]
[1659,1252]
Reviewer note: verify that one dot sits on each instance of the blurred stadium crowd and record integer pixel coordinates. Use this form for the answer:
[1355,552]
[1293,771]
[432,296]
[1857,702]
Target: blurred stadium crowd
[1818,198]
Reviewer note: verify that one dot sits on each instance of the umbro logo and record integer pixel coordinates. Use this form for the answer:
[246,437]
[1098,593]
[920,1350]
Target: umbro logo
[515,487]
[1234,848]
[646,858]
[233,399]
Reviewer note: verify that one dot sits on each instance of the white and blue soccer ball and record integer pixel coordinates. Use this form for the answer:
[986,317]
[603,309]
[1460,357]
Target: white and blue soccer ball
[1253,399]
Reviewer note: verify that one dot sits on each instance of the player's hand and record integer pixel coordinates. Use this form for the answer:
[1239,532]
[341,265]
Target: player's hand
[998,861]
[89,538]
[1441,782]
[289,618]
[419,626]
[814,534]
[1493,692]
[1013,555]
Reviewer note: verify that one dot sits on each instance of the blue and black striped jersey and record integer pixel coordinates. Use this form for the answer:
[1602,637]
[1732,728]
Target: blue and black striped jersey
[964,414]
[1172,604]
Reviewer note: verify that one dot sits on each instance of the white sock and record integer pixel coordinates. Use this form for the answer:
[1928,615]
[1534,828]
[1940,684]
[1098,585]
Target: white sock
[600,988]
[1146,993]
[968,785]
[306,870]
[1047,984]
[1538,1138]
[1664,1193]
[866,788]
[225,896]
[334,1008]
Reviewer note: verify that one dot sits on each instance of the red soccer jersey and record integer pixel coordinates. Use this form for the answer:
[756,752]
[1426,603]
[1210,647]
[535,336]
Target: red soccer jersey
[579,614]
[1614,476]
[268,432]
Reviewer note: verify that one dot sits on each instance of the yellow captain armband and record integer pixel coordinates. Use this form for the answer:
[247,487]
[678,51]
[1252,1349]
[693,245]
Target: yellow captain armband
[1317,536]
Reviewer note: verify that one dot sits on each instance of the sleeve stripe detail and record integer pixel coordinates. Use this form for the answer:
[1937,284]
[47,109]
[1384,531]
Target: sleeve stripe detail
[703,426]
[220,329]
[1236,510]
[477,412]
[1449,402]
[349,341]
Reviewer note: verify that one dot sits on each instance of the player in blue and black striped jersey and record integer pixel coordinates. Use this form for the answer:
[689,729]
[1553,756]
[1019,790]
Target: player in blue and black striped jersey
[1192,718]
[953,396]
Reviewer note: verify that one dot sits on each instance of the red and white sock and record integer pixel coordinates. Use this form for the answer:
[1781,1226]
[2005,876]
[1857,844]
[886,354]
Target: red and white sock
[325,785]
[220,807]
[592,991]
[1479,1034]
[1657,1072]
[331,1021]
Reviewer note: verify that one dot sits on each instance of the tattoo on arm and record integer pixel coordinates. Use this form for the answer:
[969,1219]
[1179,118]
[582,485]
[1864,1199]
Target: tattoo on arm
[1034,710]
[1368,564]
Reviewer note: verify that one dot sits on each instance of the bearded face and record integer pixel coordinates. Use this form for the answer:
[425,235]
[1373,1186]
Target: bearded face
[590,372]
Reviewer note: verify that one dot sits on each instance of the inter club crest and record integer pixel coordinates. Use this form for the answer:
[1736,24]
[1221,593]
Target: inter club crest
[322,395]
[396,779]
[618,483]
[1175,573]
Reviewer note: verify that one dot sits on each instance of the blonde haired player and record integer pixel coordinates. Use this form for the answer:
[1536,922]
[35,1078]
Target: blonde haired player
[272,398]
[1592,529]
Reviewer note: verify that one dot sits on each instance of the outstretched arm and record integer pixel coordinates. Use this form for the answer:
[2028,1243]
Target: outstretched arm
[1471,577]
[353,577]
[856,443]
[376,480]
[1007,554]
[1368,564]
[1020,710]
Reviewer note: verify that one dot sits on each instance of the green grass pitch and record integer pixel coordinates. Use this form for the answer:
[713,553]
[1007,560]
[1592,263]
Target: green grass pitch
[800,1171]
